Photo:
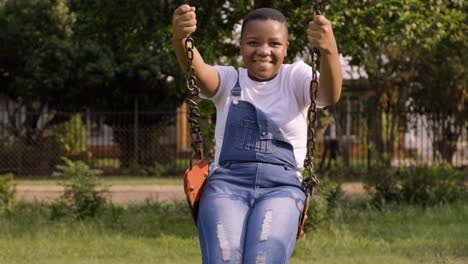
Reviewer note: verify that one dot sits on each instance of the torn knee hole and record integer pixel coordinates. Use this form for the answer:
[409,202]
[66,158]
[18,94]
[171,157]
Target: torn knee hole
[266,226]
[261,258]
[223,242]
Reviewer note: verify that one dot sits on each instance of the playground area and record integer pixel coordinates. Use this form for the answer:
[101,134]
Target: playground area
[99,123]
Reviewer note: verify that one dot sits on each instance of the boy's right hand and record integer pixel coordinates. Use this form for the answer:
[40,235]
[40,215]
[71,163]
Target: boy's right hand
[184,22]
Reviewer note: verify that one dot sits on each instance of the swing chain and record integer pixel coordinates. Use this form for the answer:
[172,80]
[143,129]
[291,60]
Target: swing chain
[312,181]
[193,112]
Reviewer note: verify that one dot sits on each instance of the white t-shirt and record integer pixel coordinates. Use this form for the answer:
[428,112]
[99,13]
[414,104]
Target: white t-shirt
[285,99]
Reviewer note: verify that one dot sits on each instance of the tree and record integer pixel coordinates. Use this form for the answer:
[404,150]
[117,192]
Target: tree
[441,90]
[100,55]
[146,73]
[388,39]
[36,58]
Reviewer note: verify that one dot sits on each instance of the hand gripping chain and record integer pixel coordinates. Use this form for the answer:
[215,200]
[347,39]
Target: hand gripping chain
[193,110]
[311,181]
[195,176]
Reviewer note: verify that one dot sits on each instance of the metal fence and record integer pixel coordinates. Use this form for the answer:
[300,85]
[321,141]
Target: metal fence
[403,138]
[32,144]
[115,142]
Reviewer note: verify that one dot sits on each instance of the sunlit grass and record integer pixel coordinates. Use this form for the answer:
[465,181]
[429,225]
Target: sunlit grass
[165,233]
[398,234]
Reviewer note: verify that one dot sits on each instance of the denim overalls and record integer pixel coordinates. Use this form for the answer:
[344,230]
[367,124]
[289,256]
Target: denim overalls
[250,205]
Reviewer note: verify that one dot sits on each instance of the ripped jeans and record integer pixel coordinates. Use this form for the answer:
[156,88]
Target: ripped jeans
[249,213]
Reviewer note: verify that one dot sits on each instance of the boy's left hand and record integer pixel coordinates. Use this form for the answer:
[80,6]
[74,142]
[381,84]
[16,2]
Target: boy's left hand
[320,34]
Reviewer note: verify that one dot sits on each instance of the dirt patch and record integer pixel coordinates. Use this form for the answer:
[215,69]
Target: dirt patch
[134,193]
[117,193]
[353,188]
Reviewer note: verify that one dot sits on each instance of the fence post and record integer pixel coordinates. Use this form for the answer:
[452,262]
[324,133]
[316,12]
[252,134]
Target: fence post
[183,138]
[20,145]
[135,130]
[88,135]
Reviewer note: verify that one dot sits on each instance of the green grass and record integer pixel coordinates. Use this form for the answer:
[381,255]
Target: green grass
[398,234]
[142,233]
[165,233]
[114,181]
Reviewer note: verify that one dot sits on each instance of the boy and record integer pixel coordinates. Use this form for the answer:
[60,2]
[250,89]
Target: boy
[253,196]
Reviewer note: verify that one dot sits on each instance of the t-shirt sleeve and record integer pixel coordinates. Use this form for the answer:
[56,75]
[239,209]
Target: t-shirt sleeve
[227,78]
[301,75]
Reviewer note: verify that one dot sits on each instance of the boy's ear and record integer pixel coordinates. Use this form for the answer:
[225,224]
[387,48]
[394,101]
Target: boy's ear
[287,46]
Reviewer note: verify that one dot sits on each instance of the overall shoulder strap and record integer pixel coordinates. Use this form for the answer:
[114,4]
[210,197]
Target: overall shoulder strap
[236,91]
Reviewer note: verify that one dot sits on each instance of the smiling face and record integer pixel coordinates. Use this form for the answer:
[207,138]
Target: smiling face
[264,45]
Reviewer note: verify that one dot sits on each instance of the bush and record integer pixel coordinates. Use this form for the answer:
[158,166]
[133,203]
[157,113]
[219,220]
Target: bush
[39,158]
[9,158]
[416,185]
[430,186]
[317,213]
[157,169]
[382,184]
[7,190]
[81,196]
[73,134]
[323,203]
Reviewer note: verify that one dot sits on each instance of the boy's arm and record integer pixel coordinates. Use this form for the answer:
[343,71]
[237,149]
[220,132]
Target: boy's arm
[183,24]
[320,35]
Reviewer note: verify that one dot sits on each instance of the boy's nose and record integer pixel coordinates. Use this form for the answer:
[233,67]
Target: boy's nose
[263,50]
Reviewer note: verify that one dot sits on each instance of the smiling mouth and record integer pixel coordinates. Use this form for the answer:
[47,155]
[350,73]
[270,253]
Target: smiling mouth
[262,62]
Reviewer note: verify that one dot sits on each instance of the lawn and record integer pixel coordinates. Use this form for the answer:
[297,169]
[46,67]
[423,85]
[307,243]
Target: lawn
[356,232]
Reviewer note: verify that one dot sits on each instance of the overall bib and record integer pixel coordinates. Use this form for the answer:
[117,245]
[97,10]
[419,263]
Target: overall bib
[250,205]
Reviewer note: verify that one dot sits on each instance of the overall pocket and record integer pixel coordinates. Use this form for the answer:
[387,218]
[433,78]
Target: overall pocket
[248,137]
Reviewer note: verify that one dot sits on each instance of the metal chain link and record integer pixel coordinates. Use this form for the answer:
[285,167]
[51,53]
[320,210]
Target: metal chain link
[193,112]
[310,182]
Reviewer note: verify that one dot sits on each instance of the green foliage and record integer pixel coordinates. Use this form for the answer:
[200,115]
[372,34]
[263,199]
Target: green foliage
[317,213]
[37,61]
[83,53]
[433,185]
[7,190]
[141,62]
[381,183]
[401,52]
[134,168]
[422,185]
[36,49]
[157,169]
[35,159]
[81,198]
[73,134]
[322,206]
[208,115]
[7,156]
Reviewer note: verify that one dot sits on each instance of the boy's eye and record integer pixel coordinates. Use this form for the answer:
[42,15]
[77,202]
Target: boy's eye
[276,44]
[252,42]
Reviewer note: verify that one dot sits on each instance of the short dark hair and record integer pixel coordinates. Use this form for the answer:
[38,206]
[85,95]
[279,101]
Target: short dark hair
[263,14]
